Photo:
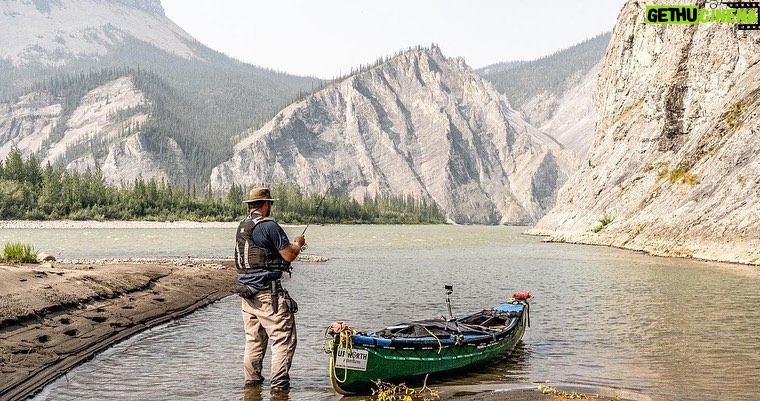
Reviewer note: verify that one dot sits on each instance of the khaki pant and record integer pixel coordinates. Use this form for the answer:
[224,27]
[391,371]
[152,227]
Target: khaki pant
[262,325]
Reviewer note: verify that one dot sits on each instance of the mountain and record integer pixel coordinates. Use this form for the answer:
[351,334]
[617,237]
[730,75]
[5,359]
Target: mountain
[674,166]
[555,93]
[55,31]
[418,124]
[98,127]
[186,102]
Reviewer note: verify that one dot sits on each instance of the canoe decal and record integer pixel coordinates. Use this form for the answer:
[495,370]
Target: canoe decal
[351,359]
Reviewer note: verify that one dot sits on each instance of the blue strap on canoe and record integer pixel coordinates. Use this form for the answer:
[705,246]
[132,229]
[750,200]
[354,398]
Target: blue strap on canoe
[510,307]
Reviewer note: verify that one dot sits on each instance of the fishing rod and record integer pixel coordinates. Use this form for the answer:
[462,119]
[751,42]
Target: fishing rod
[308,222]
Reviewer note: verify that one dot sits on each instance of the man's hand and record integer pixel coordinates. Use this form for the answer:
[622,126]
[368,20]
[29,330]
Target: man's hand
[300,240]
[290,252]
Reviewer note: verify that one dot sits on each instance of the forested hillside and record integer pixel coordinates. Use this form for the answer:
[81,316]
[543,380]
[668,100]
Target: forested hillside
[29,190]
[522,80]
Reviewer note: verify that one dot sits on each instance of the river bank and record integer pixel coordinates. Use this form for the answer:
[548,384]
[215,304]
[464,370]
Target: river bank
[55,316]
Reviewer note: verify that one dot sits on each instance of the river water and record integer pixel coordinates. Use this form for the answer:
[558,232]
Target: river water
[648,327]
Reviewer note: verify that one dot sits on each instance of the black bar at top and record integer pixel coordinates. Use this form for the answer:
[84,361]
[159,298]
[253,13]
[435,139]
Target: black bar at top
[742,4]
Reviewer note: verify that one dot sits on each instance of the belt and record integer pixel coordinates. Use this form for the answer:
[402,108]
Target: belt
[245,291]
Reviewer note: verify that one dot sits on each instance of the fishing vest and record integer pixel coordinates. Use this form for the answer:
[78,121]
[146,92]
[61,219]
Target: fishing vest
[250,258]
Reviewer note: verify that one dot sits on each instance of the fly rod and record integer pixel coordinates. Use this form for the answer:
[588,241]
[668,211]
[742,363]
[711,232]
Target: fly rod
[316,209]
[311,217]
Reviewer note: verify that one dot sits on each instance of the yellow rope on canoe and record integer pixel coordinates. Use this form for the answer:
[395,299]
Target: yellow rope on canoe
[344,341]
[440,346]
[343,332]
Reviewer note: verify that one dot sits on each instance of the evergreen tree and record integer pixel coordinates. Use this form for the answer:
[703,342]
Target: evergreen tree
[14,166]
[51,192]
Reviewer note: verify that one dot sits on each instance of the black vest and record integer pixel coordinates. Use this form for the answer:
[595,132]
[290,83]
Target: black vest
[250,258]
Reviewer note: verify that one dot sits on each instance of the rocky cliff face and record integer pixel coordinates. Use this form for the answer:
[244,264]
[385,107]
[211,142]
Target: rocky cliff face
[556,93]
[573,114]
[28,122]
[52,32]
[200,98]
[101,118]
[419,124]
[674,164]
[139,157]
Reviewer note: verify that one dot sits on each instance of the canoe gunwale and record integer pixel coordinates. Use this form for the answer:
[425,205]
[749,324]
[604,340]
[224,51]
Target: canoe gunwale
[403,343]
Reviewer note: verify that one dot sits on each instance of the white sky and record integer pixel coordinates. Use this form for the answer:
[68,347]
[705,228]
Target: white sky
[326,38]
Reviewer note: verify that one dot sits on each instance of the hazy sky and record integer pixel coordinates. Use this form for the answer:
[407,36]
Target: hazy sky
[326,38]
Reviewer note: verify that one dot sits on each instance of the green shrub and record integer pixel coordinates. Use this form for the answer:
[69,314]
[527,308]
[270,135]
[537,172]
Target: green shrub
[683,176]
[735,116]
[742,180]
[603,222]
[19,253]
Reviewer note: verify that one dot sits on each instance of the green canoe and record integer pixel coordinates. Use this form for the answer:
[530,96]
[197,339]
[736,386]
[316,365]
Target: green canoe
[408,352]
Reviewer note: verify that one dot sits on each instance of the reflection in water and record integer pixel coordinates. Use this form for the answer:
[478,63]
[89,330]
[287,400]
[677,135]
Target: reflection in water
[512,369]
[671,329]
[256,393]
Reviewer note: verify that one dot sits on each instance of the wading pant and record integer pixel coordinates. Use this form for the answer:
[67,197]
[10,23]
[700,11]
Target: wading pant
[261,325]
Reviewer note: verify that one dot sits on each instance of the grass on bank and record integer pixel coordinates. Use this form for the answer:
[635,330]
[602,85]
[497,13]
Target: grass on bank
[15,252]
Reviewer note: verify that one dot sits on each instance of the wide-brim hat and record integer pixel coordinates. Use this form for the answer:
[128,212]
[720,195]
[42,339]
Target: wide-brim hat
[259,194]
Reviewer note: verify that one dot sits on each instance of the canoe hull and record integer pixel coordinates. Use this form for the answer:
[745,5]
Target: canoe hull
[355,368]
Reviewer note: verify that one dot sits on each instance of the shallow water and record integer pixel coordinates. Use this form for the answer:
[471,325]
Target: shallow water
[668,329]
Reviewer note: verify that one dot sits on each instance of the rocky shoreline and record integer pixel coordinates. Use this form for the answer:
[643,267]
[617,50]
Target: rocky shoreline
[740,252]
[56,316]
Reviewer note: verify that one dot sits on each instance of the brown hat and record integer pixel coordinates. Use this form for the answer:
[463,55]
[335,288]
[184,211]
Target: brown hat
[259,194]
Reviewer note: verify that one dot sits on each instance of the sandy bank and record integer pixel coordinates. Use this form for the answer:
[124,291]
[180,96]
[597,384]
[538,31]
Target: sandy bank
[53,318]
[89,224]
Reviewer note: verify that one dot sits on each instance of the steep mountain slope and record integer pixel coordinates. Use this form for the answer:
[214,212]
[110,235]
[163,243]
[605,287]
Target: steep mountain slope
[674,168]
[101,130]
[555,93]
[192,99]
[574,116]
[55,31]
[419,124]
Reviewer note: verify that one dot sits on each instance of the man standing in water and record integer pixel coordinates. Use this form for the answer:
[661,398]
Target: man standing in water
[262,253]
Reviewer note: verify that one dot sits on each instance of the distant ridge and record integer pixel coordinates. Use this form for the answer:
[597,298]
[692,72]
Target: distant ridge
[556,93]
[419,124]
[521,80]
